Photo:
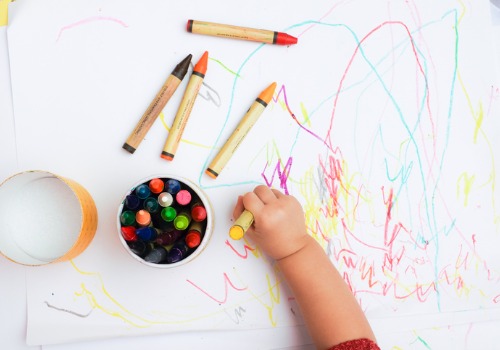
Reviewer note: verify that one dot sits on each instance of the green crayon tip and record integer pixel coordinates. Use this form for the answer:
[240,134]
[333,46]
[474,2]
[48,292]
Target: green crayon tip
[168,214]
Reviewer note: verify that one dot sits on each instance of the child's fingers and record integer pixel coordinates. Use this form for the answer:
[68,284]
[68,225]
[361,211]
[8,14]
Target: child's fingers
[265,194]
[278,193]
[238,208]
[252,203]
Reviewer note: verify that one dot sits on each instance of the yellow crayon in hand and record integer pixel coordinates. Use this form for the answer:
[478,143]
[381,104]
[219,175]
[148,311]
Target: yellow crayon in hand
[241,225]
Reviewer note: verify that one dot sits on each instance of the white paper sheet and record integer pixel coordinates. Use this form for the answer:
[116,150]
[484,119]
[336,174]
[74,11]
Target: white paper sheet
[383,126]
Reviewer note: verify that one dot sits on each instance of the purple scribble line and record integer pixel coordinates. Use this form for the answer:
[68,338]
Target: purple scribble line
[90,20]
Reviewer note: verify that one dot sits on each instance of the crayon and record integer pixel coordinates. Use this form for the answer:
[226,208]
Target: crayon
[157,255]
[183,197]
[241,225]
[165,199]
[198,212]
[142,191]
[178,252]
[193,237]
[168,214]
[156,185]
[182,221]
[127,218]
[240,132]
[132,202]
[143,217]
[147,233]
[172,186]
[243,33]
[151,204]
[128,233]
[187,103]
[157,105]
[139,247]
[168,237]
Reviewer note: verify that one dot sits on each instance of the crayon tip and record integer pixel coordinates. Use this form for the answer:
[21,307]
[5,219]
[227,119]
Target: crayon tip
[286,39]
[201,66]
[167,156]
[193,240]
[236,232]
[189,25]
[268,93]
[128,148]
[182,68]
[211,173]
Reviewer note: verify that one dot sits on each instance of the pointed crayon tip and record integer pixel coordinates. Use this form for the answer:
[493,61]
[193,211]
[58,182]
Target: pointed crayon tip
[182,68]
[201,66]
[268,93]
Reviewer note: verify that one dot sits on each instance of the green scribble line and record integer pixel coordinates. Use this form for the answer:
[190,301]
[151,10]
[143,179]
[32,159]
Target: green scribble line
[225,67]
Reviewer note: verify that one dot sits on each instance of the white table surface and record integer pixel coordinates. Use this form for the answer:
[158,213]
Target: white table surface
[13,283]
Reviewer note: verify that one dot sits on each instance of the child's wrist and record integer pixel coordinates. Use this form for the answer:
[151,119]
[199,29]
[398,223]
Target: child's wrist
[305,241]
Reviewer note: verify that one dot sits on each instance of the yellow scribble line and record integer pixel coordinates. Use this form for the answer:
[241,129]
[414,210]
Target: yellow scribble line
[225,67]
[4,12]
[162,118]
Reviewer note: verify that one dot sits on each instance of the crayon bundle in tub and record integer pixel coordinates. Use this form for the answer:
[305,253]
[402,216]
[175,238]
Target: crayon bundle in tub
[165,221]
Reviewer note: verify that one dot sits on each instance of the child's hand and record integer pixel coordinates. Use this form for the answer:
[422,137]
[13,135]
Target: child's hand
[279,224]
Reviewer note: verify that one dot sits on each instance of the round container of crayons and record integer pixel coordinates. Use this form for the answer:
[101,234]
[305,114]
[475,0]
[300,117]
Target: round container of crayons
[165,221]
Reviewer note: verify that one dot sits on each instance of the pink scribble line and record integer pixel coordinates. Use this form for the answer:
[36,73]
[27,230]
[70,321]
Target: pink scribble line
[227,282]
[90,20]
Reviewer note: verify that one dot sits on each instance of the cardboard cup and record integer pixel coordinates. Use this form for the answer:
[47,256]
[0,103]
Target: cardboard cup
[208,229]
[44,218]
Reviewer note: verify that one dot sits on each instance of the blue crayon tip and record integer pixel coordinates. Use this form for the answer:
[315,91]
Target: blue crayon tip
[173,186]
[142,191]
[132,202]
[146,233]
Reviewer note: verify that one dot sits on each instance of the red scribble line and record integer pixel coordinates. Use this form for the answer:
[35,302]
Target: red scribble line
[227,282]
[341,83]
[283,176]
[246,247]
[456,281]
[496,299]
[90,20]
[346,230]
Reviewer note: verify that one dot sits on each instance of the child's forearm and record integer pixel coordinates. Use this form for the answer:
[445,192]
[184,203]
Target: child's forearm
[329,308]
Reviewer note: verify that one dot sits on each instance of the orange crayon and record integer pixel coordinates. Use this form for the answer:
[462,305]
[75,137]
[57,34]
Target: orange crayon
[187,103]
[246,123]
[156,185]
[143,217]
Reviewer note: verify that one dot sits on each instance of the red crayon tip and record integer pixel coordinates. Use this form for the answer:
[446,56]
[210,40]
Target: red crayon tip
[189,26]
[201,65]
[156,185]
[285,39]
[128,233]
[198,213]
[193,239]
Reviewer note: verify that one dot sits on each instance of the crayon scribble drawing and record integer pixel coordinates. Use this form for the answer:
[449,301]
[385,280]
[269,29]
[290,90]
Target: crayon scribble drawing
[381,125]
